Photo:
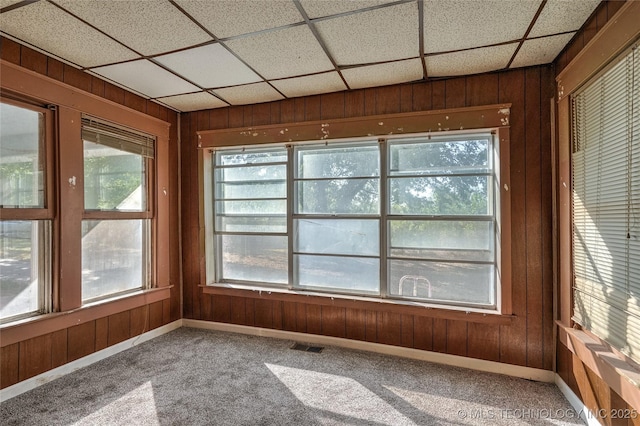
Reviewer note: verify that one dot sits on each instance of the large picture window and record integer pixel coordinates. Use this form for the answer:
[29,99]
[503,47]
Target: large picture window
[25,228]
[406,218]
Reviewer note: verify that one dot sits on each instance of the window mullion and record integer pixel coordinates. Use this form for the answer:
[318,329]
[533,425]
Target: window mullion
[291,199]
[383,219]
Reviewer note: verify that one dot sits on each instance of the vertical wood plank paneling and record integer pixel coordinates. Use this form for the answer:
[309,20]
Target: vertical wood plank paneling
[333,321]
[247,115]
[275,113]
[406,325]
[102,333]
[139,320]
[301,317]
[34,61]
[111,92]
[483,341]
[481,90]
[299,104]
[155,315]
[312,108]
[289,316]
[314,319]
[206,305]
[602,16]
[153,109]
[387,100]
[287,111]
[97,87]
[389,328]
[59,348]
[264,313]
[513,337]
[438,92]
[238,312]
[188,131]
[119,327]
[354,103]
[221,308]
[219,118]
[166,311]
[136,102]
[277,315]
[370,101]
[332,105]
[55,70]
[457,337]
[371,326]
[355,324]
[533,230]
[455,92]
[236,116]
[34,357]
[79,79]
[250,312]
[421,96]
[590,29]
[261,114]
[9,50]
[9,365]
[81,340]
[423,333]
[439,335]
[406,98]
[613,6]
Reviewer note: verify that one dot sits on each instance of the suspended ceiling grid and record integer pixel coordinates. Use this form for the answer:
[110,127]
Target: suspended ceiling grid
[199,54]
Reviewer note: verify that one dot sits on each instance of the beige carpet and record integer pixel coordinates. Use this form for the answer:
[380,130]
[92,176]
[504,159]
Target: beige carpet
[198,377]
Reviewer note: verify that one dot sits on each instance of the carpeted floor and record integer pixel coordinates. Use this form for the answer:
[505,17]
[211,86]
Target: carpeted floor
[197,377]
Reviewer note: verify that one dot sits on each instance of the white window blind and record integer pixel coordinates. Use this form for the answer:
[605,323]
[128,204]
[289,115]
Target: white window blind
[606,205]
[118,137]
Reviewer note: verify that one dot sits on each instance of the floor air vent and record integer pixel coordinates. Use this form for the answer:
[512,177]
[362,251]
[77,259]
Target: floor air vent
[307,348]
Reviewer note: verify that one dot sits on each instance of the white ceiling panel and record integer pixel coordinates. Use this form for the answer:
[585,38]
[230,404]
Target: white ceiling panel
[319,8]
[193,101]
[249,94]
[148,27]
[209,66]
[310,84]
[226,18]
[563,15]
[540,50]
[53,30]
[146,77]
[375,36]
[282,53]
[472,61]
[462,24]
[383,74]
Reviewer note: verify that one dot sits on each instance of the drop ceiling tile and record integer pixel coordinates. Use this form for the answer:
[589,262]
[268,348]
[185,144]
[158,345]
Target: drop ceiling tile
[562,15]
[383,74]
[310,84]
[209,66]
[472,61]
[193,101]
[148,27]
[540,50]
[44,25]
[226,18]
[249,94]
[146,77]
[462,24]
[283,53]
[374,36]
[319,8]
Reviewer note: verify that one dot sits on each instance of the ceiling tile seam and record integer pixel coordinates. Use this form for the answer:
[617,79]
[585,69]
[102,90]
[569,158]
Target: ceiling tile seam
[425,75]
[41,50]
[446,52]
[216,39]
[368,64]
[551,35]
[323,45]
[584,24]
[358,11]
[533,22]
[120,85]
[17,5]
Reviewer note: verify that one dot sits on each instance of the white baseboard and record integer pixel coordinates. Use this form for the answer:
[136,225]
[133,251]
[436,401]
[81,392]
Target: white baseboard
[585,414]
[440,358]
[47,376]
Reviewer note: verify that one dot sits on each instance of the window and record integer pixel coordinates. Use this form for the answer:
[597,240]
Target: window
[404,218]
[116,230]
[606,205]
[25,205]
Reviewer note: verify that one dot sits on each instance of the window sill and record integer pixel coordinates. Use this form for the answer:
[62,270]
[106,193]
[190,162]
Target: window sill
[39,325]
[359,302]
[620,373]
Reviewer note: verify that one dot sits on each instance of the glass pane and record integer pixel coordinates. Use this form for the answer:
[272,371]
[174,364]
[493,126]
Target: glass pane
[113,179]
[252,174]
[454,282]
[20,267]
[262,259]
[225,158]
[441,239]
[358,161]
[251,207]
[334,272]
[114,256]
[337,236]
[252,224]
[22,157]
[444,195]
[267,189]
[353,196]
[439,157]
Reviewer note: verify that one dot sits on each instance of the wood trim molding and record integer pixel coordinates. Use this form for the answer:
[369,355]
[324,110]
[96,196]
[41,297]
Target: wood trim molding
[355,302]
[621,30]
[455,119]
[614,369]
[37,326]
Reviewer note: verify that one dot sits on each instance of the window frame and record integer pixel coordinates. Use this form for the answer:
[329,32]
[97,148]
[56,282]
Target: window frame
[45,215]
[490,118]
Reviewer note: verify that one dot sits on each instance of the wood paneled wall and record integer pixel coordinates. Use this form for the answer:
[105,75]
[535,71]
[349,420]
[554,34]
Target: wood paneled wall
[22,360]
[527,341]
